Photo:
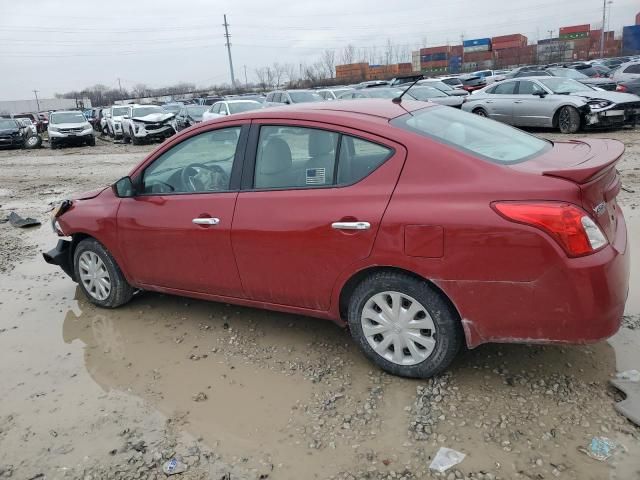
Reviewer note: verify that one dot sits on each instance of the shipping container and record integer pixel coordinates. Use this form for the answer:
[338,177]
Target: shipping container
[436,57]
[506,44]
[638,19]
[574,36]
[415,61]
[477,45]
[455,60]
[477,56]
[515,37]
[574,29]
[432,64]
[631,40]
[431,50]
[456,50]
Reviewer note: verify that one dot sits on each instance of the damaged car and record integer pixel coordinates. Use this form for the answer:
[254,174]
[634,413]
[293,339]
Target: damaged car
[11,133]
[333,210]
[147,122]
[114,121]
[189,115]
[554,102]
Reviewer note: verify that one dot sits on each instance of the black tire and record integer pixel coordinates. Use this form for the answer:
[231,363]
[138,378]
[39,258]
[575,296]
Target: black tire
[568,119]
[125,138]
[481,112]
[91,141]
[121,292]
[53,144]
[448,330]
[134,140]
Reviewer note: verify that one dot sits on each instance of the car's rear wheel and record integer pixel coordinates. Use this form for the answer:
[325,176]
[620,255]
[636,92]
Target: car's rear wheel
[481,112]
[404,325]
[99,276]
[568,120]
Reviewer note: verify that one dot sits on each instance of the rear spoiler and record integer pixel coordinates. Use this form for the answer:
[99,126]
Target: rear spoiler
[602,156]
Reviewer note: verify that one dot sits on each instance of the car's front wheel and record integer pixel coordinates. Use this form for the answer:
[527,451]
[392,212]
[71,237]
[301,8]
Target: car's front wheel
[99,275]
[404,325]
[481,112]
[568,119]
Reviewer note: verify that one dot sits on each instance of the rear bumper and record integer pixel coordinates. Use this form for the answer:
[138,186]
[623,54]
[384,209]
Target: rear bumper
[61,256]
[579,300]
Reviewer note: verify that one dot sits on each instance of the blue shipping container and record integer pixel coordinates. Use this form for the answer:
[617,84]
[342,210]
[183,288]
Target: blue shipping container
[426,58]
[476,42]
[631,40]
[456,59]
[454,68]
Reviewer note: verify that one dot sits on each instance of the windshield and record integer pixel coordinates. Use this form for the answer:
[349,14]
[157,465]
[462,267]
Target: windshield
[563,86]
[69,117]
[143,111]
[567,73]
[172,108]
[453,81]
[383,92]
[490,140]
[244,106]
[426,93]
[300,97]
[119,111]
[6,123]
[437,84]
[196,111]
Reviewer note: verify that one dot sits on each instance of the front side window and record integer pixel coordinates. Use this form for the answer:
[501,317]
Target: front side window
[492,141]
[506,88]
[200,164]
[564,86]
[529,88]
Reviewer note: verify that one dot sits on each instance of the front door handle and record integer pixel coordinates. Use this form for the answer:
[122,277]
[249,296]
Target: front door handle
[489,101]
[518,101]
[206,221]
[351,225]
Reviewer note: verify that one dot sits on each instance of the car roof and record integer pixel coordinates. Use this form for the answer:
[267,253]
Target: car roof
[66,111]
[369,107]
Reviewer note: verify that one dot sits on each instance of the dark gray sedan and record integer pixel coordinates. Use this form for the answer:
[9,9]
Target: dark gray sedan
[553,102]
[430,94]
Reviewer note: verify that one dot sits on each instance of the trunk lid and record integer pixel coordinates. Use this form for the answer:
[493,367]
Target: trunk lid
[591,165]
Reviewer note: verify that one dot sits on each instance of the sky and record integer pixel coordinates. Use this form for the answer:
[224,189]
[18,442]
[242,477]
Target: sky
[55,46]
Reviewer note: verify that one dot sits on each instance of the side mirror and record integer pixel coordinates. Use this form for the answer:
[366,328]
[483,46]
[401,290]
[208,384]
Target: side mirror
[540,94]
[287,102]
[124,188]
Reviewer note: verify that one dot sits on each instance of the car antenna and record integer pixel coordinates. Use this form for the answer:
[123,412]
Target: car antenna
[398,100]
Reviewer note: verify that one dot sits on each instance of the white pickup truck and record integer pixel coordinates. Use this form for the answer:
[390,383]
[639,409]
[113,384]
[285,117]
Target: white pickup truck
[146,122]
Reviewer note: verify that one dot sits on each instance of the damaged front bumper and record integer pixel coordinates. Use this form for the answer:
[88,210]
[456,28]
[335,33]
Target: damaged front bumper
[613,117]
[61,256]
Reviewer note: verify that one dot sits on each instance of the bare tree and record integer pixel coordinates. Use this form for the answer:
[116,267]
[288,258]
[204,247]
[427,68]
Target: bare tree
[265,77]
[278,73]
[348,54]
[140,90]
[388,52]
[328,60]
[290,71]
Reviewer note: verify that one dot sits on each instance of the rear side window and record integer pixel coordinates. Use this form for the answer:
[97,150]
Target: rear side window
[299,157]
[633,68]
[504,88]
[489,140]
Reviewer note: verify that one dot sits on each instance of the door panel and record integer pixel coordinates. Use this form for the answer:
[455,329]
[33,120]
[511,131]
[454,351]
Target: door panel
[531,110]
[286,248]
[163,247]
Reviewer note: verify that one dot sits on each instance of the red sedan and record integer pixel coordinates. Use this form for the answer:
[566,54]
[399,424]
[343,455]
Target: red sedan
[421,227]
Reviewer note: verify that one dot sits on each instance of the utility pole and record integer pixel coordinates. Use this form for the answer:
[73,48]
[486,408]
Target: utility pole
[35,92]
[228,45]
[246,83]
[604,15]
[462,55]
[120,87]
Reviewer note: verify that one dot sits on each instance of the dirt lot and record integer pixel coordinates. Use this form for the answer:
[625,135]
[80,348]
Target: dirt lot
[238,393]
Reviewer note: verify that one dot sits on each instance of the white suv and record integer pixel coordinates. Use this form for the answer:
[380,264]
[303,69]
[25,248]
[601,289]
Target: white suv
[69,127]
[146,122]
[114,122]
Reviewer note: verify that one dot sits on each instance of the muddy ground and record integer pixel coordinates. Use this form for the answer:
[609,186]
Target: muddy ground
[238,393]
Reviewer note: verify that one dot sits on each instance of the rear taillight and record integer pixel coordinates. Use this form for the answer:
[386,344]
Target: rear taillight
[621,88]
[567,224]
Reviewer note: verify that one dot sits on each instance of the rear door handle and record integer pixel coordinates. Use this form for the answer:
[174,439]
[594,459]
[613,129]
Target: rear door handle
[351,225]
[206,221]
[518,101]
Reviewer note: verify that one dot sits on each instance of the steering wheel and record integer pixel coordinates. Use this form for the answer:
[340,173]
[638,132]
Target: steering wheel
[194,176]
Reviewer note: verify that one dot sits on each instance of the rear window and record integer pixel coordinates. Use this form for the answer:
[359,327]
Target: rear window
[481,137]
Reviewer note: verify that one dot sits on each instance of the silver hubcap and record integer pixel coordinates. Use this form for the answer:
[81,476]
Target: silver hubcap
[398,328]
[94,275]
[32,140]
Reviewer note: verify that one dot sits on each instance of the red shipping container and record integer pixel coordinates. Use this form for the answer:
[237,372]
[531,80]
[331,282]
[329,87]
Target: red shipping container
[638,19]
[456,50]
[431,50]
[477,56]
[436,64]
[506,44]
[575,29]
[516,37]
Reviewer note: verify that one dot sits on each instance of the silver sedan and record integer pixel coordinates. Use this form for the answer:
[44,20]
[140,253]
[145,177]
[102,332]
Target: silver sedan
[553,102]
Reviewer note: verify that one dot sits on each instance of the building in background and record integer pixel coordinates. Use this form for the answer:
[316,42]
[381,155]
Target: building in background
[44,104]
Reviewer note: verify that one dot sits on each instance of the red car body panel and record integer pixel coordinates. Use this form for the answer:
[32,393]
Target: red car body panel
[430,209]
